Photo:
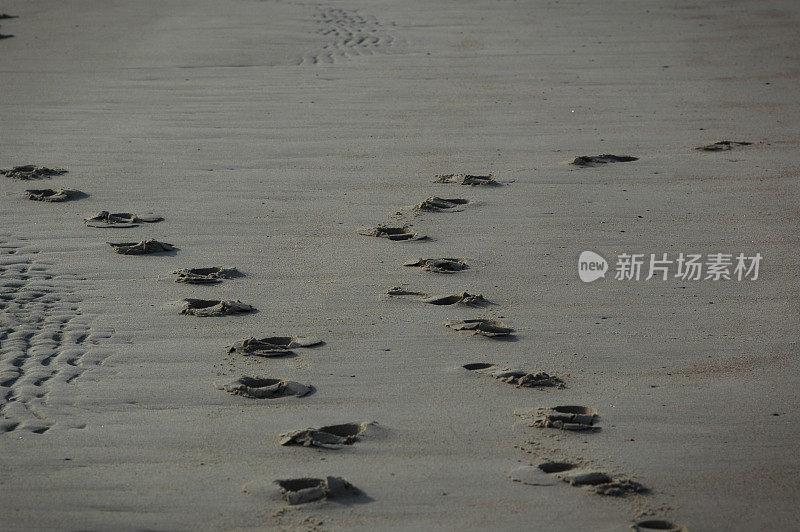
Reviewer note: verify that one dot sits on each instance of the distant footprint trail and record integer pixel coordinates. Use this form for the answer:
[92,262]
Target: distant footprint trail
[347,34]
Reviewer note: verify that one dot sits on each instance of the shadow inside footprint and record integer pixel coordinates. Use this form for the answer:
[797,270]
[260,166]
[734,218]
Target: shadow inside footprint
[272,346]
[145,247]
[520,379]
[213,307]
[600,482]
[393,233]
[30,171]
[467,179]
[330,437]
[477,365]
[105,219]
[304,490]
[576,418]
[490,328]
[657,524]
[594,160]
[265,388]
[723,145]
[556,467]
[59,195]
[437,204]
[205,275]
[8,426]
[445,265]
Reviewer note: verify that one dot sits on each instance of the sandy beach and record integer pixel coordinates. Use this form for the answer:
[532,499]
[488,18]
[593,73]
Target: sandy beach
[275,137]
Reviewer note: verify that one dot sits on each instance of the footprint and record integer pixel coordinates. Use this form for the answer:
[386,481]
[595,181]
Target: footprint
[144,247]
[273,346]
[657,524]
[601,483]
[594,160]
[466,179]
[330,437]
[575,418]
[265,388]
[105,219]
[437,204]
[620,487]
[465,298]
[31,171]
[48,194]
[303,490]
[205,275]
[597,481]
[485,327]
[520,379]
[723,145]
[439,265]
[399,291]
[393,233]
[213,308]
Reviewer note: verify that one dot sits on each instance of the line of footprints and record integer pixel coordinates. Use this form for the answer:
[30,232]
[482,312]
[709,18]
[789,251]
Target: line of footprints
[304,490]
[568,418]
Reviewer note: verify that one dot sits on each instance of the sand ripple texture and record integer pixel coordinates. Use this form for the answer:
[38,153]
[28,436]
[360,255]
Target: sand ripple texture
[46,341]
[347,34]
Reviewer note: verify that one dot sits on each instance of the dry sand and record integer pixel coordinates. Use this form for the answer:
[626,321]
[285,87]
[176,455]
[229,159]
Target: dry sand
[269,133]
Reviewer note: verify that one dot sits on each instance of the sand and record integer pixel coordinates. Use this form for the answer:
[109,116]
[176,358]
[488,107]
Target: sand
[269,134]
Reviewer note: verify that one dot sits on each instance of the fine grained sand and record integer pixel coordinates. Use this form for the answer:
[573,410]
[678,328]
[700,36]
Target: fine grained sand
[268,133]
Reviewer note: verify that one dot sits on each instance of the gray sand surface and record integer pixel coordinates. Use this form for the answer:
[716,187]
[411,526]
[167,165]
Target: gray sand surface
[268,133]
